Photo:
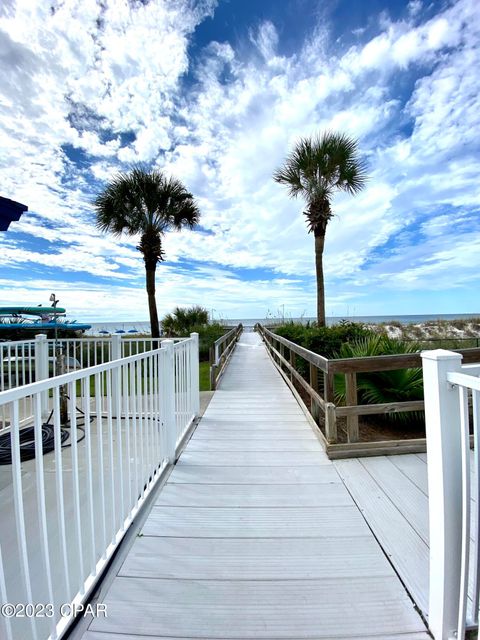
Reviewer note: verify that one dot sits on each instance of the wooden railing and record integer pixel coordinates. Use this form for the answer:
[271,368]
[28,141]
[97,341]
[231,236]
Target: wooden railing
[220,353]
[320,387]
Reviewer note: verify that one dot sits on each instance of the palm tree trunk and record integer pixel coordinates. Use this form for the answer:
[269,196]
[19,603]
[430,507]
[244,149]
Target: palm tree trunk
[319,244]
[152,305]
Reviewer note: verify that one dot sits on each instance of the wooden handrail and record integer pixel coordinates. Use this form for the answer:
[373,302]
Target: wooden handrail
[309,356]
[322,399]
[220,353]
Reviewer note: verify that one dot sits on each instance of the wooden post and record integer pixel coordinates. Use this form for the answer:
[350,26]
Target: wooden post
[328,386]
[282,353]
[351,399]
[314,408]
[292,362]
[213,376]
[330,423]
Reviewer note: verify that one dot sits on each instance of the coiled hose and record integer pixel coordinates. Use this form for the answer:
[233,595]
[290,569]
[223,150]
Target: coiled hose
[27,442]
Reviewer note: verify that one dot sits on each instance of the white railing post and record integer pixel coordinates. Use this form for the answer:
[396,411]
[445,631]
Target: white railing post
[195,374]
[442,420]
[168,399]
[116,355]
[41,368]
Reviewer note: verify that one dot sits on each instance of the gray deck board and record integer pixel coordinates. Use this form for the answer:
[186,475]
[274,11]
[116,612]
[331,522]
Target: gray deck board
[255,559]
[254,458]
[255,535]
[407,550]
[260,522]
[253,495]
[322,473]
[256,609]
[98,635]
[392,492]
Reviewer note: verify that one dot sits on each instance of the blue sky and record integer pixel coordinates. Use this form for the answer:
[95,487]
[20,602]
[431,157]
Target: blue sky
[216,92]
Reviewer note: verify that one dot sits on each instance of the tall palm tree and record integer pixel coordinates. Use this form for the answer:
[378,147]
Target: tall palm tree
[315,169]
[150,204]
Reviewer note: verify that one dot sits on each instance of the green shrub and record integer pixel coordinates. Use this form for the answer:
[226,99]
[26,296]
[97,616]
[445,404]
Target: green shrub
[325,341]
[181,321]
[207,334]
[381,387]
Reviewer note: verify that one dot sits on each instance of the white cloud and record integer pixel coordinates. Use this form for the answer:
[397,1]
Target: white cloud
[92,76]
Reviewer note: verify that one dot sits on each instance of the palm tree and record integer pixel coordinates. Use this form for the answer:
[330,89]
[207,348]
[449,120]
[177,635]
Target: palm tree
[149,204]
[316,169]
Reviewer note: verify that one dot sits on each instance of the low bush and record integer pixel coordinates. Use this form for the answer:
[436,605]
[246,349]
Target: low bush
[184,321]
[181,321]
[381,387]
[207,334]
[326,341]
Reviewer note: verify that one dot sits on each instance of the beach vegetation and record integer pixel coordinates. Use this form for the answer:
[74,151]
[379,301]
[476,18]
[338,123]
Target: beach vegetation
[316,169]
[326,341]
[184,321]
[147,204]
[181,320]
[379,387]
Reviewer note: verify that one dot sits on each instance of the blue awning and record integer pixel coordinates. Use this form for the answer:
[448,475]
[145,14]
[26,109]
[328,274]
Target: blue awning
[10,211]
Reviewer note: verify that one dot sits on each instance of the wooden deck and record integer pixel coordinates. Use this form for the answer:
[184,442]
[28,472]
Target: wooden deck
[255,535]
[392,493]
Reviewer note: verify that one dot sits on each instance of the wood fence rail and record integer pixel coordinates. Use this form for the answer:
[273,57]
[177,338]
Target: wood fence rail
[320,387]
[220,353]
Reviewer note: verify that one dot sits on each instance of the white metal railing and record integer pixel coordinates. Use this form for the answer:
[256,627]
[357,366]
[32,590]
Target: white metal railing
[26,361]
[453,486]
[73,479]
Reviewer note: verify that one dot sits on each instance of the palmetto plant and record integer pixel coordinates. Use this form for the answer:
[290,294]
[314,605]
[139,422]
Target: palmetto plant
[315,169]
[149,204]
[182,321]
[382,387]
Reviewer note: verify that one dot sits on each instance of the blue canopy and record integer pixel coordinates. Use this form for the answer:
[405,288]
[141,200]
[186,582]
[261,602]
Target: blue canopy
[10,211]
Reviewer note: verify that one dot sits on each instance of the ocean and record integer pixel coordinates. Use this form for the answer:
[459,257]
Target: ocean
[143,326]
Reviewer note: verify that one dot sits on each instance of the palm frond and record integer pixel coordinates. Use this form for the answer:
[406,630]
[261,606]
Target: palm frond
[322,164]
[383,387]
[147,203]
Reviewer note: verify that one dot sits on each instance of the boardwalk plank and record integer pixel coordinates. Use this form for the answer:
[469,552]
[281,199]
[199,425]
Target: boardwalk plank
[260,559]
[407,497]
[254,458]
[276,522]
[244,445]
[256,609]
[253,495]
[190,473]
[98,635]
[255,535]
[408,551]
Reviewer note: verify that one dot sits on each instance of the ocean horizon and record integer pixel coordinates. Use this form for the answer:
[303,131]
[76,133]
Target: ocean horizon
[143,326]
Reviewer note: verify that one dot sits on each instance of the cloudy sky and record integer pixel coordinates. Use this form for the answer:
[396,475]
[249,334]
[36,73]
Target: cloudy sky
[216,92]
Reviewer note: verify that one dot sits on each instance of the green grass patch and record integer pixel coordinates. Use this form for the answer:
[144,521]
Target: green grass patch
[204,376]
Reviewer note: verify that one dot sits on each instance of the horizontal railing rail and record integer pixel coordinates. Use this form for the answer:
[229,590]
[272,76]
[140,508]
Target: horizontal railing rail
[319,384]
[220,353]
[453,479]
[75,473]
[25,361]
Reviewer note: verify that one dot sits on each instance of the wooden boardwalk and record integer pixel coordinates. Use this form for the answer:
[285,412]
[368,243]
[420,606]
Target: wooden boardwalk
[255,535]
[392,492]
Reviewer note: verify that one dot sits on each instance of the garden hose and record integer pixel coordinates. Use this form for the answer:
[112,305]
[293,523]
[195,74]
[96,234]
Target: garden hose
[27,441]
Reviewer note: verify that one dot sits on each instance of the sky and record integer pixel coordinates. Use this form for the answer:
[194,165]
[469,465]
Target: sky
[216,93]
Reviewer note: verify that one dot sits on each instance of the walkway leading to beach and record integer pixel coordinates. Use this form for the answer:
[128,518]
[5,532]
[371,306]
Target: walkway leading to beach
[255,535]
